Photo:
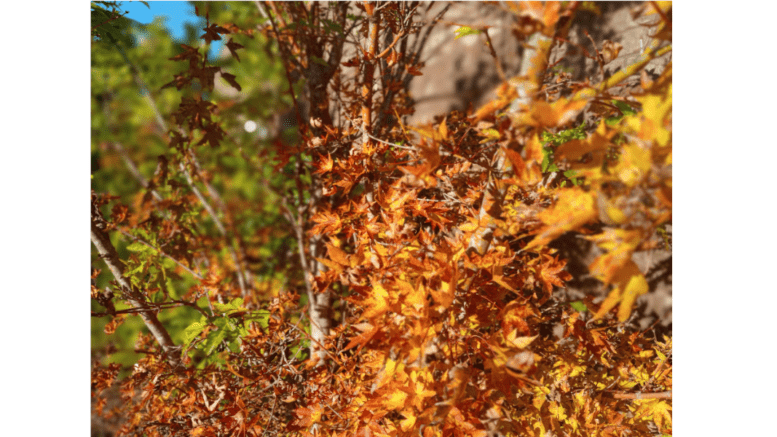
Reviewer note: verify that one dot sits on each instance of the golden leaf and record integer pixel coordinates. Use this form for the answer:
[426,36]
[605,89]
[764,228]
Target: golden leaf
[377,302]
[573,209]
[630,284]
[519,342]
[407,423]
[444,296]
[396,400]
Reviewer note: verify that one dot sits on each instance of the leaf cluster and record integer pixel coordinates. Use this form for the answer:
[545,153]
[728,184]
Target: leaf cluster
[374,277]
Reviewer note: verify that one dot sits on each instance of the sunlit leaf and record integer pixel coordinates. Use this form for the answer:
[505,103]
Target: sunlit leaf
[464,31]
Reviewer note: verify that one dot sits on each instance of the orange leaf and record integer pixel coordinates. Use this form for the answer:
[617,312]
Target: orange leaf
[325,165]
[444,296]
[327,223]
[407,423]
[596,143]
[337,255]
[331,265]
[619,244]
[377,303]
[368,331]
[552,273]
[443,129]
[558,113]
[635,286]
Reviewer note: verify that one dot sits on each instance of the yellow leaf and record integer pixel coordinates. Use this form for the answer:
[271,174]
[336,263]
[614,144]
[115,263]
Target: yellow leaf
[633,165]
[469,226]
[573,209]
[519,342]
[615,215]
[407,423]
[557,410]
[636,286]
[489,134]
[396,400]
[443,129]
[391,367]
[663,5]
[660,411]
[630,284]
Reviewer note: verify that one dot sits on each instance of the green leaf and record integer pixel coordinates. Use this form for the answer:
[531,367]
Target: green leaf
[140,247]
[233,306]
[625,110]
[318,60]
[464,31]
[579,306]
[547,160]
[260,317]
[192,331]
[213,341]
[624,107]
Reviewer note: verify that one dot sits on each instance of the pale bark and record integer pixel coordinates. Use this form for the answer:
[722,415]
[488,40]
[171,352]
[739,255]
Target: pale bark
[108,253]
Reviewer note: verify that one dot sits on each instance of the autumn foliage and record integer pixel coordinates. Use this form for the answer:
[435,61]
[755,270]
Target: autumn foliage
[415,295]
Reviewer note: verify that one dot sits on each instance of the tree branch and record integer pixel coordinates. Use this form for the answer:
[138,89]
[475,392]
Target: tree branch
[108,253]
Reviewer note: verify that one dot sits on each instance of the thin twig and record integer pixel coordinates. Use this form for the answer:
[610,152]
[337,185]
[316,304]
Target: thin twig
[396,38]
[134,169]
[640,395]
[496,58]
[599,59]
[390,144]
